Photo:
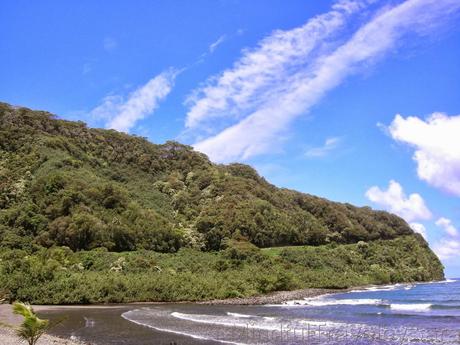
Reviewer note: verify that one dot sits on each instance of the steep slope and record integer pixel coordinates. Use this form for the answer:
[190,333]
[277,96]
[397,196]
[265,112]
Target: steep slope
[64,184]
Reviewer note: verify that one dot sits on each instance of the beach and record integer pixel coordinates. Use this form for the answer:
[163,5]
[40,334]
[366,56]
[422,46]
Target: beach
[8,320]
[395,312]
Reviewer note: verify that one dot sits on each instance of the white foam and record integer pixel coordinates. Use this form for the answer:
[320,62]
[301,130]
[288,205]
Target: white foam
[270,318]
[125,316]
[378,288]
[266,323]
[411,307]
[321,323]
[449,281]
[323,302]
[225,321]
[384,287]
[244,316]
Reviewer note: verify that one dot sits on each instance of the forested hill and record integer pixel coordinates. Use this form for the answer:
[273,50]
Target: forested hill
[91,216]
[65,184]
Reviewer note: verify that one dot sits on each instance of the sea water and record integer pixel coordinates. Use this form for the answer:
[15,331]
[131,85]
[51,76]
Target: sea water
[425,313]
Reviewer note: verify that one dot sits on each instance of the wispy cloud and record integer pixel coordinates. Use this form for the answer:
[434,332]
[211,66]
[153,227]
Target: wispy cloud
[214,45]
[436,142]
[394,200]
[448,227]
[110,44]
[329,145]
[122,113]
[290,71]
[448,247]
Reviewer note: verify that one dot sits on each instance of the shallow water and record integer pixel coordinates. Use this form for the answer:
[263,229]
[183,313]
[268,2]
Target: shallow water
[395,314]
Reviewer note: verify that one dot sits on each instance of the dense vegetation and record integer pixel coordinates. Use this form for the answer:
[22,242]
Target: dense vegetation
[94,192]
[58,275]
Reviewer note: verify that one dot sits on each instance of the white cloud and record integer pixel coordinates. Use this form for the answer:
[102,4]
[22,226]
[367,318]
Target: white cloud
[394,200]
[448,227]
[260,69]
[447,249]
[290,71]
[122,114]
[419,228]
[436,141]
[217,43]
[329,145]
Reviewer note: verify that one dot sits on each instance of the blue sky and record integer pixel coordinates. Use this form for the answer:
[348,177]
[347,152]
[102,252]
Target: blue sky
[308,92]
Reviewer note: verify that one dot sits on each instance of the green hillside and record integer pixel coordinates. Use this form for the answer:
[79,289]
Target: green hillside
[97,192]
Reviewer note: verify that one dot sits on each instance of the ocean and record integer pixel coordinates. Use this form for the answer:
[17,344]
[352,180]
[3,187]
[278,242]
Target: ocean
[425,313]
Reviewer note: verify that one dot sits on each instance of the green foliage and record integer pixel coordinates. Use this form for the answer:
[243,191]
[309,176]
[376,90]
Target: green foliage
[63,183]
[32,327]
[60,276]
[92,215]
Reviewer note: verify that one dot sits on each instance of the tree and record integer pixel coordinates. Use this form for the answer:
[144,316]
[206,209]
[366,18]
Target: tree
[32,327]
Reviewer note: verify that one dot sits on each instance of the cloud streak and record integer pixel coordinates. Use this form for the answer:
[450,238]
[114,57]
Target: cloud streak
[253,102]
[123,114]
[213,46]
[329,145]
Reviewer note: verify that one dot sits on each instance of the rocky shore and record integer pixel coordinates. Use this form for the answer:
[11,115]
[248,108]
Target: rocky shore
[274,298]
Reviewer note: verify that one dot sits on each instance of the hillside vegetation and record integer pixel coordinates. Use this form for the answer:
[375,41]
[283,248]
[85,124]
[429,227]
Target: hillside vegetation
[92,193]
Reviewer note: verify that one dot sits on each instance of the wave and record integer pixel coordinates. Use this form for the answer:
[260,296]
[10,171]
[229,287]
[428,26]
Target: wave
[422,307]
[263,323]
[389,287]
[168,330]
[449,281]
[383,288]
[226,321]
[244,316]
[446,281]
[319,302]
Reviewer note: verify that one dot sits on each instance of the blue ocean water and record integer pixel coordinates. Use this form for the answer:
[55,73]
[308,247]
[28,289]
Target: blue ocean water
[427,313]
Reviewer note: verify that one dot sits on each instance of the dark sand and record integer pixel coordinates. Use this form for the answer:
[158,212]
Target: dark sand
[103,324]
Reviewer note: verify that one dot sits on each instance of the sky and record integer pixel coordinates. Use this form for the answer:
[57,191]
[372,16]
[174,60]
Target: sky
[354,100]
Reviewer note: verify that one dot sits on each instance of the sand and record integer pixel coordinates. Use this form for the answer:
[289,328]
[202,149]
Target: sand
[8,321]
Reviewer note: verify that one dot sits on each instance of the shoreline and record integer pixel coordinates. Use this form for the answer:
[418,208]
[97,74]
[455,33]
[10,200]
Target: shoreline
[276,297]
[8,320]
